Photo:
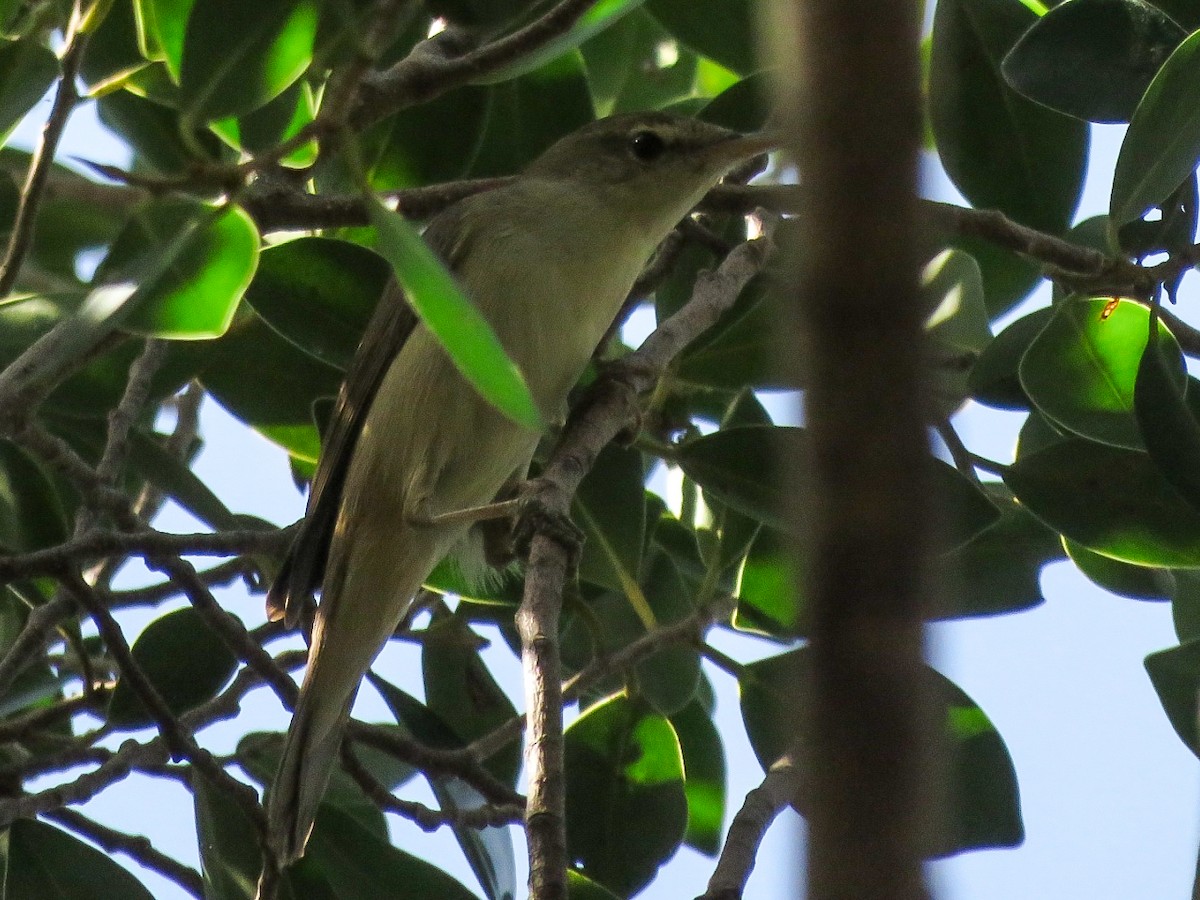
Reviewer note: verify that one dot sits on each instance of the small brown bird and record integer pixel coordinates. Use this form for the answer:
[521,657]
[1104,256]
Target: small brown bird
[549,260]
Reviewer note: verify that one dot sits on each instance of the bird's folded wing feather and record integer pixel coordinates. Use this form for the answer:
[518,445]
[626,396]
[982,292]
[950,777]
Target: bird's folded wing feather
[392,322]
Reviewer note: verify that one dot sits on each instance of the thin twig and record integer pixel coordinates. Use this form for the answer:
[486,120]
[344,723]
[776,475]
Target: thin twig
[65,98]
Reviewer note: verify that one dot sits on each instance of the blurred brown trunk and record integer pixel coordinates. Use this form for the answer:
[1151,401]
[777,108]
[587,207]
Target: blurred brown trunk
[851,113]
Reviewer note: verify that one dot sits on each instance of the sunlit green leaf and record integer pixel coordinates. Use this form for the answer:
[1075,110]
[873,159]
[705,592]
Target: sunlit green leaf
[626,807]
[1111,500]
[1081,368]
[237,56]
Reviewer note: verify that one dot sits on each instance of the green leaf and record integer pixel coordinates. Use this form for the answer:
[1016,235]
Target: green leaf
[354,862]
[957,325]
[237,56]
[453,319]
[626,807]
[1162,146]
[154,133]
[629,67]
[462,692]
[112,52]
[998,570]
[740,466]
[961,509]
[27,69]
[183,658]
[279,120]
[1080,370]
[162,30]
[528,114]
[1109,499]
[724,31]
[280,408]
[980,785]
[580,887]
[172,475]
[601,15]
[1168,425]
[1185,12]
[259,753]
[229,857]
[704,764]
[49,864]
[1120,578]
[744,106]
[609,506]
[1092,59]
[319,293]
[978,119]
[769,602]
[177,270]
[1175,674]
[994,378]
[31,511]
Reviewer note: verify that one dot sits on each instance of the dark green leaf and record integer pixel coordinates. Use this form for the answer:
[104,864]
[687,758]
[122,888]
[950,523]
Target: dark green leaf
[31,511]
[609,506]
[154,132]
[994,378]
[1008,277]
[237,56]
[172,475]
[602,15]
[1109,499]
[961,509]
[462,692]
[528,114]
[1121,578]
[745,106]
[46,863]
[1162,146]
[704,763]
[1081,369]
[112,51]
[1092,59]
[356,863]
[281,407]
[162,26]
[319,293]
[1185,12]
[183,658]
[997,571]
[724,31]
[626,807]
[229,856]
[981,789]
[401,153]
[580,887]
[456,322]
[1168,425]
[27,69]
[1173,231]
[741,466]
[627,69]
[978,119]
[1175,674]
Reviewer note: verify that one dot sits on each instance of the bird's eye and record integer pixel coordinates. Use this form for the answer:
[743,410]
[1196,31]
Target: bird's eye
[647,146]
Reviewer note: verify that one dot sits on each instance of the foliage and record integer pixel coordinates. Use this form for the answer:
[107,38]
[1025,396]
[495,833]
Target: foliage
[249,123]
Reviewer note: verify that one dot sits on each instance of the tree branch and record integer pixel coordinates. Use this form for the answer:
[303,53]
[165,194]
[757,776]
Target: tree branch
[747,830]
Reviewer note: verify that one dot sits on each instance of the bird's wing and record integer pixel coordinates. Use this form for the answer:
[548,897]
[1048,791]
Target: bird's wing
[392,322]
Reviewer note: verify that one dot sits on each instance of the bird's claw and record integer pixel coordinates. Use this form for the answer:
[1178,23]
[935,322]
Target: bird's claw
[539,515]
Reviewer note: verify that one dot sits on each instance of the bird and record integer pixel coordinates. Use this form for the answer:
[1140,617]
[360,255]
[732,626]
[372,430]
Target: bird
[548,259]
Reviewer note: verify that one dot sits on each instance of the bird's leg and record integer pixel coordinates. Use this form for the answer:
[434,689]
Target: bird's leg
[504,509]
[540,514]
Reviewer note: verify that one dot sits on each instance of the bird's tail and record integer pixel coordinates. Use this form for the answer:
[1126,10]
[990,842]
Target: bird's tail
[359,613]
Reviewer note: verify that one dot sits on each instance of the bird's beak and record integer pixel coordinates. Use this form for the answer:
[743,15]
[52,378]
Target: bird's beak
[745,146]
